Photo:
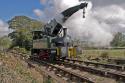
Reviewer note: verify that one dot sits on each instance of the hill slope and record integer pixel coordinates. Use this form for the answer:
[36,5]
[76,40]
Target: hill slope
[13,70]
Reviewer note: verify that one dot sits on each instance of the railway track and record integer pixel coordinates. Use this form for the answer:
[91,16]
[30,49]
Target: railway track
[42,71]
[46,73]
[117,75]
[97,64]
[63,72]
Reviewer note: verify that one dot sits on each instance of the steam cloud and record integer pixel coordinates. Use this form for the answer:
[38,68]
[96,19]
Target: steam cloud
[97,28]
[4,30]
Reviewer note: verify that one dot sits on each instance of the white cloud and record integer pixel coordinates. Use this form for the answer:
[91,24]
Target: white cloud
[38,12]
[4,30]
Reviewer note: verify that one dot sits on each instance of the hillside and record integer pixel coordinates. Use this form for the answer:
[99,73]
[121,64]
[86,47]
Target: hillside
[13,70]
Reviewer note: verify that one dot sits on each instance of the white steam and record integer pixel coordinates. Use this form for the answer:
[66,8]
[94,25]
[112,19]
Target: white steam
[97,28]
[113,16]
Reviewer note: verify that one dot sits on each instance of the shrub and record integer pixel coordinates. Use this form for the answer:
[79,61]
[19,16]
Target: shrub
[104,55]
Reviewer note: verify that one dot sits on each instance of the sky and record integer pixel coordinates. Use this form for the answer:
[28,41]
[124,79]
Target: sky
[11,8]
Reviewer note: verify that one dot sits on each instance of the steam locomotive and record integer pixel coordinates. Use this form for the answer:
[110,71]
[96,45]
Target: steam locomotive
[53,42]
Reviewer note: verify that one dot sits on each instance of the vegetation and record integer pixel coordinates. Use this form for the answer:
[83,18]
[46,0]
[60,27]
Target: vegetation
[103,54]
[5,42]
[23,26]
[14,70]
[119,40]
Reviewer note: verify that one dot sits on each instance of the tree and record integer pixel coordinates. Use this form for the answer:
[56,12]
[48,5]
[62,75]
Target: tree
[5,43]
[119,40]
[23,26]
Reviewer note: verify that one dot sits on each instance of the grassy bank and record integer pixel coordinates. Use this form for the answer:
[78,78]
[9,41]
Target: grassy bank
[13,70]
[103,53]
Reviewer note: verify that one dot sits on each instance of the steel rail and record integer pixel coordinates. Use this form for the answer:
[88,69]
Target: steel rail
[72,74]
[111,66]
[115,75]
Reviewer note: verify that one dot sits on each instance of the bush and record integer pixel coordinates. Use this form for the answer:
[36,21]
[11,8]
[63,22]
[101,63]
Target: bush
[22,50]
[104,55]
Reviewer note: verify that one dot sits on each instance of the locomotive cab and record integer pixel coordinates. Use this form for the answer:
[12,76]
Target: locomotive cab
[40,47]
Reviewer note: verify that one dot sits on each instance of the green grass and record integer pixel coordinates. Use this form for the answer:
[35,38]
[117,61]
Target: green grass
[111,53]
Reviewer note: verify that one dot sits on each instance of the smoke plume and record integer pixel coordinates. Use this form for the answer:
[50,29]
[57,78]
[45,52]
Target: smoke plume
[97,28]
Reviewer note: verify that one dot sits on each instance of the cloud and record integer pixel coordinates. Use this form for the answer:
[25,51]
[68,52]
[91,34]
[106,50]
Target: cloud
[43,1]
[102,3]
[38,12]
[4,30]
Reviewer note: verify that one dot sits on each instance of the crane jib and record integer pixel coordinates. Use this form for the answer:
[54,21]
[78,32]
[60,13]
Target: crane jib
[70,11]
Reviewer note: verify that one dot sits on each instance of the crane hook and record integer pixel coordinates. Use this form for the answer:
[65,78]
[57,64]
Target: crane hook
[84,12]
